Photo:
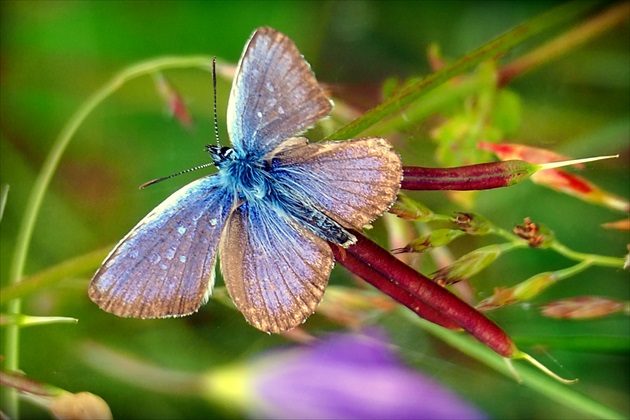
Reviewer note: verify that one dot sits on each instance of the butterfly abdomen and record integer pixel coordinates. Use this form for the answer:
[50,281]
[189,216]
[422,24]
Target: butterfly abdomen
[301,210]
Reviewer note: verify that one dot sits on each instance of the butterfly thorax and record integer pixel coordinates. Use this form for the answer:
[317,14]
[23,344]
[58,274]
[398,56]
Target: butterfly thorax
[247,176]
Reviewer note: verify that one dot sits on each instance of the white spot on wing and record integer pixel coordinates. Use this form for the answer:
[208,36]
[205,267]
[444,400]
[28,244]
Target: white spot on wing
[170,253]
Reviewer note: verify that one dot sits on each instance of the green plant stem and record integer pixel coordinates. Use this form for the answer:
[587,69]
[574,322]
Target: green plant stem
[432,103]
[4,193]
[29,321]
[536,380]
[554,18]
[504,234]
[566,42]
[39,281]
[25,233]
[592,258]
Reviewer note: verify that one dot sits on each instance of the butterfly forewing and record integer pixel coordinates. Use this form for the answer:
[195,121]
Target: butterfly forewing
[274,95]
[352,181]
[165,265]
[275,272]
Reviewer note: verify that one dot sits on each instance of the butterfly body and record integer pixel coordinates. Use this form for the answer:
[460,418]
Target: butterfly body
[270,212]
[247,176]
[253,179]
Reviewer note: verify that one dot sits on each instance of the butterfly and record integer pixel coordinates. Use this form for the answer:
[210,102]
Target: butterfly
[270,212]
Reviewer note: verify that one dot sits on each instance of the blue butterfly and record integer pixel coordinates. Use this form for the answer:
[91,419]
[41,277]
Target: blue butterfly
[271,211]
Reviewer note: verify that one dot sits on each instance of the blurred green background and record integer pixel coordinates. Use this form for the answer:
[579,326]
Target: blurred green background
[54,54]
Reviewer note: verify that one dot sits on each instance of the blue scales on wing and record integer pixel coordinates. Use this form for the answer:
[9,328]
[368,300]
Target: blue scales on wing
[165,265]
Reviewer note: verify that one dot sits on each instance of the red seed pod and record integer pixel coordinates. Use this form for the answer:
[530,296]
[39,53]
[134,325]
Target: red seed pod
[481,176]
[373,262]
[385,285]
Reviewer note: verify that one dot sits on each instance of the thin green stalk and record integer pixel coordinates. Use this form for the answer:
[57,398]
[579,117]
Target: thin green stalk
[45,278]
[554,18]
[593,258]
[563,44]
[4,194]
[29,321]
[25,233]
[439,99]
[504,234]
[536,380]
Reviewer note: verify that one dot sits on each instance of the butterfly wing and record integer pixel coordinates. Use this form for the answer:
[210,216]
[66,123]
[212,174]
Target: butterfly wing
[165,265]
[274,95]
[352,181]
[275,272]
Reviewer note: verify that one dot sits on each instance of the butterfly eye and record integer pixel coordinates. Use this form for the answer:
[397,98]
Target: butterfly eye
[227,153]
[220,154]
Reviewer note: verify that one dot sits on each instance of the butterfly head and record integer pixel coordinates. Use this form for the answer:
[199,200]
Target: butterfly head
[220,154]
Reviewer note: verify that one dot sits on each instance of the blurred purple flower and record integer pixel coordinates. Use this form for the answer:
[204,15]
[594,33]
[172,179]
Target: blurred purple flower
[347,376]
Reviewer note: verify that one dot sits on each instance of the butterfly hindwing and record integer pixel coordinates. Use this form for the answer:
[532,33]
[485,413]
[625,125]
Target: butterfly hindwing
[274,94]
[352,181]
[165,265]
[275,272]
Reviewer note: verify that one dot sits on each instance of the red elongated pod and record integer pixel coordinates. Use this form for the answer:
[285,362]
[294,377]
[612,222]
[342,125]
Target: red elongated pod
[395,278]
[385,285]
[481,176]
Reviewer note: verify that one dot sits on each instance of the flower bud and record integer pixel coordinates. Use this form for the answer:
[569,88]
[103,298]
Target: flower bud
[174,102]
[525,290]
[328,380]
[62,404]
[534,285]
[80,406]
[409,209]
[623,224]
[468,265]
[584,307]
[472,223]
[351,307]
[438,237]
[481,176]
[549,174]
[536,235]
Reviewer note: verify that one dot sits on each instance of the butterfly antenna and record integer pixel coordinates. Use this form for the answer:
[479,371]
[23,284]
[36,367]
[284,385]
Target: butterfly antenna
[185,171]
[214,91]
[216,133]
